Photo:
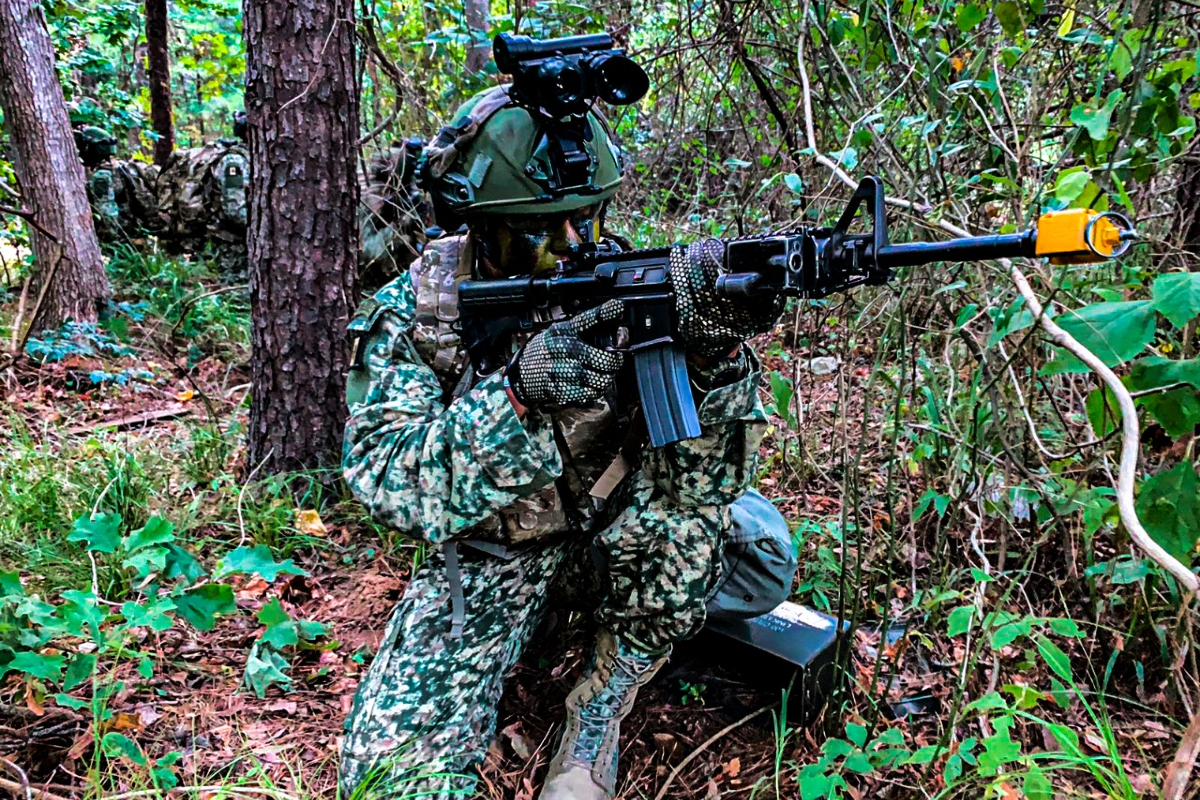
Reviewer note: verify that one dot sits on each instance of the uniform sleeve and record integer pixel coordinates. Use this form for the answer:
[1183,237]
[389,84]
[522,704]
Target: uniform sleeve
[429,470]
[718,466]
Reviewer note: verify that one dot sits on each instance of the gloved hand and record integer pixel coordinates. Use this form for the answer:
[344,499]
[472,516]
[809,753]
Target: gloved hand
[709,324]
[558,367]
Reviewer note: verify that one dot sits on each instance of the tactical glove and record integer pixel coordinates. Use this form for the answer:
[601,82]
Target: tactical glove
[558,367]
[710,324]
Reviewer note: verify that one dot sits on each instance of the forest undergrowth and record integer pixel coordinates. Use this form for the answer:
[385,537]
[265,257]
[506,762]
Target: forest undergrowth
[173,622]
[178,623]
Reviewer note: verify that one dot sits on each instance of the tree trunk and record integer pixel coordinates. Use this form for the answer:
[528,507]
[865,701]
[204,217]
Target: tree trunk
[302,109]
[159,69]
[68,280]
[477,25]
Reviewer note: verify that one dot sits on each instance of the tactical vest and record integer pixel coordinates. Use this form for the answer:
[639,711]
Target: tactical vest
[588,438]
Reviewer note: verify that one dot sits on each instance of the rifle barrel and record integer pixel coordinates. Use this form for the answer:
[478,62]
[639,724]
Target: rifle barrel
[974,248]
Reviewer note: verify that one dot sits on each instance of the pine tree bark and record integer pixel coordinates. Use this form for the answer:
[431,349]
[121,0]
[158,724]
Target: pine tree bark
[159,70]
[480,48]
[302,114]
[68,280]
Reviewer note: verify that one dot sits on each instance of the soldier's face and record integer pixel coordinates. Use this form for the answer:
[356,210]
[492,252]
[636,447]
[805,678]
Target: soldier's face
[532,244]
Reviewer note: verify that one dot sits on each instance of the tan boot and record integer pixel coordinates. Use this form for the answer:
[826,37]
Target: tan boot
[585,766]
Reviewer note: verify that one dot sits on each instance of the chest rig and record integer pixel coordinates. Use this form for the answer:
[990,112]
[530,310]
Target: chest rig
[588,439]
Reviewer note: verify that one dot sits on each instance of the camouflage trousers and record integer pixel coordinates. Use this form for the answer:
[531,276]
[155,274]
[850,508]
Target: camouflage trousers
[426,710]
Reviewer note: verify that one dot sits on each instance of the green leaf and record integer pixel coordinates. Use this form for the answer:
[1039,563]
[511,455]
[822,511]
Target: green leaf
[999,748]
[860,763]
[116,745]
[1121,61]
[1008,14]
[1070,185]
[199,606]
[256,559]
[968,16]
[155,615]
[147,560]
[264,668]
[1064,626]
[923,755]
[1168,506]
[146,668]
[156,531]
[1007,634]
[48,668]
[1154,372]
[181,564]
[10,585]
[856,733]
[79,671]
[1055,658]
[794,183]
[959,621]
[1176,296]
[1115,332]
[66,701]
[1178,411]
[1103,412]
[273,614]
[1036,785]
[102,532]
[1095,118]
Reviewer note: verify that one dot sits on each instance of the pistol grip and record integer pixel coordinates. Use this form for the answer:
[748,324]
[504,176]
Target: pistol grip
[666,393]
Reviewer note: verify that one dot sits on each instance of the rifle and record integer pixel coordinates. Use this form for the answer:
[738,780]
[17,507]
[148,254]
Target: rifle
[809,264]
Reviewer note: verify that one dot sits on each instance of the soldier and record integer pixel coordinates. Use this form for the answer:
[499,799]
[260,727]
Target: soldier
[122,193]
[202,195]
[535,482]
[393,214]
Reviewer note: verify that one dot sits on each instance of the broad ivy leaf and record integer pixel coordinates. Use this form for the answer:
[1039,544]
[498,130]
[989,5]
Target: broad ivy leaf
[102,532]
[181,564]
[153,615]
[79,671]
[1070,185]
[1037,786]
[1178,411]
[10,585]
[969,15]
[116,745]
[1115,332]
[959,621]
[264,668]
[147,560]
[1176,296]
[1009,15]
[1094,118]
[199,606]
[156,531]
[1153,372]
[1007,634]
[272,613]
[1168,506]
[256,559]
[39,666]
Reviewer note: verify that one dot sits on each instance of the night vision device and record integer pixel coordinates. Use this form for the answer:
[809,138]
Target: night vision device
[563,77]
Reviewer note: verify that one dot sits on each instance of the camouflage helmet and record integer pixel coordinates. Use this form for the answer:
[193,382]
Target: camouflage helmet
[499,158]
[94,145]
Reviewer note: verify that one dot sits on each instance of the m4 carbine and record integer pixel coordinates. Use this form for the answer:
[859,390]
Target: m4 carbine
[810,264]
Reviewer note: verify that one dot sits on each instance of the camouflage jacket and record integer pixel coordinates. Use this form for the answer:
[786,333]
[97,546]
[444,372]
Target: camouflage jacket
[202,192]
[440,454]
[123,198]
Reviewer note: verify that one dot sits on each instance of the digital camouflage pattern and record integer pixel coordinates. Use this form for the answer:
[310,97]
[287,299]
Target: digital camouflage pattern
[202,198]
[393,215]
[124,200]
[445,469]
